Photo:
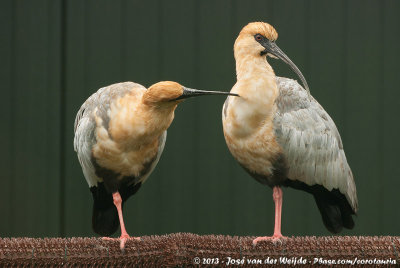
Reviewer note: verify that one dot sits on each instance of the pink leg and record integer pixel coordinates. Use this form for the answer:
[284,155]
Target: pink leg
[277,196]
[124,235]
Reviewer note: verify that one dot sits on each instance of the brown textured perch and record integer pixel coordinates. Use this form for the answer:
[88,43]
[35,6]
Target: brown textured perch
[181,249]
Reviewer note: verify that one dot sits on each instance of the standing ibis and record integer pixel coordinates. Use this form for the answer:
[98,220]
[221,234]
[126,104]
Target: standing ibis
[282,136]
[120,133]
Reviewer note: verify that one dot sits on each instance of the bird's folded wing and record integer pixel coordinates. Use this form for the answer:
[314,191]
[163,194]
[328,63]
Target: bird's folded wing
[311,141]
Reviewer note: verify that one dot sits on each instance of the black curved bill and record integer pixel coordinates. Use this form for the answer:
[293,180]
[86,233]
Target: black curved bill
[191,92]
[272,48]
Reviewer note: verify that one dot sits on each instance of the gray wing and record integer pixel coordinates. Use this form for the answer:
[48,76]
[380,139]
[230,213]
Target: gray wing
[85,125]
[311,141]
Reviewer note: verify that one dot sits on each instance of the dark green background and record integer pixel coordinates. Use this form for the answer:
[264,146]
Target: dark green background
[54,54]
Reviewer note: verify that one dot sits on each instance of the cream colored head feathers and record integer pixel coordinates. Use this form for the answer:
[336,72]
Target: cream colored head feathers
[262,28]
[245,42]
[163,92]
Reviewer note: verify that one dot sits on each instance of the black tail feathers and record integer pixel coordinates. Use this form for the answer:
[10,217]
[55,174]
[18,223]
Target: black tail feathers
[335,210]
[105,215]
[105,219]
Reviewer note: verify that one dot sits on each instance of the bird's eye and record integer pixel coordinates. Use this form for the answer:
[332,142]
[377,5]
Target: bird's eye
[258,37]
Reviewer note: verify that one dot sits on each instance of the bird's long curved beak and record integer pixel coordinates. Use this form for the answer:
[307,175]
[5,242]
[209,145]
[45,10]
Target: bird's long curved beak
[191,92]
[272,48]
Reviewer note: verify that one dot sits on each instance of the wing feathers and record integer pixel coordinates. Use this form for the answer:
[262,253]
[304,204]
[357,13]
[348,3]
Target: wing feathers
[311,141]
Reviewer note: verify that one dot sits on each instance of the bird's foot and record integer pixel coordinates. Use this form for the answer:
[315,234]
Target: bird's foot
[125,238]
[122,239]
[275,238]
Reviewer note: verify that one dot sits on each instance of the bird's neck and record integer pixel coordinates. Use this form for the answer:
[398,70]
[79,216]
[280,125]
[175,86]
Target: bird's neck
[138,124]
[157,118]
[256,85]
[248,65]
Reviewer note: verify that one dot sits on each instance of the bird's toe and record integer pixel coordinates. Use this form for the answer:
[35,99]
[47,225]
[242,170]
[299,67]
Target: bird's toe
[275,239]
[124,238]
